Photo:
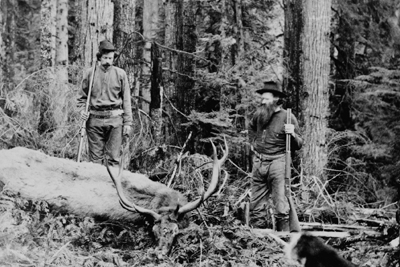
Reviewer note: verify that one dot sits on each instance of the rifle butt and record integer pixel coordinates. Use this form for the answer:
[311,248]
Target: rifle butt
[294,223]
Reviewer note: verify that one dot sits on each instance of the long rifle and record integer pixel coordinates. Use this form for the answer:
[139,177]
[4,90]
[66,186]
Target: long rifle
[294,224]
[83,127]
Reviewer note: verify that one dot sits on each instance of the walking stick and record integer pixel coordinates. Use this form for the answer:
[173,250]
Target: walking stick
[83,127]
[294,224]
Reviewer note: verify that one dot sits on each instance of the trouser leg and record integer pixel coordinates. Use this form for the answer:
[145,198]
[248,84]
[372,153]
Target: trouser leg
[113,145]
[96,140]
[259,195]
[104,138]
[281,204]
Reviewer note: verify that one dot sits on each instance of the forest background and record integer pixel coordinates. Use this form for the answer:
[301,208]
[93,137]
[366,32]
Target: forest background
[193,67]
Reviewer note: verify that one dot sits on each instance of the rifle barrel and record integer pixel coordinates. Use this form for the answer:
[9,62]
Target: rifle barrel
[83,127]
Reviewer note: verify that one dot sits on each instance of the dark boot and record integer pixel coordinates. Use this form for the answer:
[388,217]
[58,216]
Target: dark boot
[282,225]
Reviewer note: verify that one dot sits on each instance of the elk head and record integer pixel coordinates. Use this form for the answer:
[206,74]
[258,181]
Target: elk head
[166,221]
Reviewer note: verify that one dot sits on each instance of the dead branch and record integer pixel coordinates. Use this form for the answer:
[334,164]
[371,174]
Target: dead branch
[178,160]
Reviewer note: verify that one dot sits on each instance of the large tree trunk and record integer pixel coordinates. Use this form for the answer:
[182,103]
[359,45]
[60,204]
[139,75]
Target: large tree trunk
[186,41]
[48,29]
[316,70]
[97,18]
[59,89]
[125,40]
[150,25]
[293,81]
[48,13]
[124,25]
[54,62]
[169,74]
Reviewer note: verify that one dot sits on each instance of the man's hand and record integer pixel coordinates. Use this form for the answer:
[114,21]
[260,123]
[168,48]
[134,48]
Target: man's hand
[126,131]
[289,129]
[84,116]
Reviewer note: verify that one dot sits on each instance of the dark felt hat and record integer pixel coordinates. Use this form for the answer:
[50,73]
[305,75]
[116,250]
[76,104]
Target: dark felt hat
[271,87]
[106,46]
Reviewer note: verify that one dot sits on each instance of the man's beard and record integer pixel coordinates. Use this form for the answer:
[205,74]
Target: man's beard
[264,113]
[106,65]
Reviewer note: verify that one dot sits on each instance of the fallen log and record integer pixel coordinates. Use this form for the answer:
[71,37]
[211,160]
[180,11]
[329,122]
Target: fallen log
[359,212]
[268,232]
[335,227]
[84,188]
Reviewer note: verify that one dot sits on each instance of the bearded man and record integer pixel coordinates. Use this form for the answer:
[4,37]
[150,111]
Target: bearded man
[267,134]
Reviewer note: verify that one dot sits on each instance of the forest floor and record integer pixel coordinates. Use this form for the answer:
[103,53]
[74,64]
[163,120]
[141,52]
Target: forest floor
[33,233]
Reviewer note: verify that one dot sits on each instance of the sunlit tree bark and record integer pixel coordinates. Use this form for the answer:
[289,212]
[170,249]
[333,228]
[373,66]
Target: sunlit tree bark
[53,63]
[315,70]
[124,25]
[48,33]
[96,20]
[62,41]
[152,90]
[169,75]
[126,42]
[150,24]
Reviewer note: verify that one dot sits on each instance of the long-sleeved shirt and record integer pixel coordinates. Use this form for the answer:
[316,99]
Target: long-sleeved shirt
[110,90]
[271,140]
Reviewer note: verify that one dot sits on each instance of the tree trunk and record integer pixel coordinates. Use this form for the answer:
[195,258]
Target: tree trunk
[169,74]
[186,41]
[315,70]
[150,24]
[62,42]
[8,33]
[156,105]
[239,33]
[48,31]
[2,47]
[293,82]
[97,18]
[59,89]
[124,25]
[125,41]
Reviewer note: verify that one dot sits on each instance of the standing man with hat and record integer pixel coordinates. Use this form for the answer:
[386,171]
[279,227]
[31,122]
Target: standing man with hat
[267,134]
[110,113]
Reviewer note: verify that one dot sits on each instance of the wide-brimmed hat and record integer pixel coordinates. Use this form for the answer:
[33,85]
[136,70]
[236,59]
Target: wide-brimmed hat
[271,87]
[106,46]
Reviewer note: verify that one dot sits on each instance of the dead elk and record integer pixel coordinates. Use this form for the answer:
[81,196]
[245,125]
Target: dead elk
[166,220]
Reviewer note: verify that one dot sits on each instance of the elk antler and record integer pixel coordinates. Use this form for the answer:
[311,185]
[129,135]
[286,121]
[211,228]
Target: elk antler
[125,203]
[214,181]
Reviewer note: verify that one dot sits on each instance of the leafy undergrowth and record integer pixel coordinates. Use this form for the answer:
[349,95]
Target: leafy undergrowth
[31,234]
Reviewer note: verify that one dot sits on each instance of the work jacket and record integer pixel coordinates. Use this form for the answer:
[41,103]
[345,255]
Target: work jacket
[110,91]
[271,139]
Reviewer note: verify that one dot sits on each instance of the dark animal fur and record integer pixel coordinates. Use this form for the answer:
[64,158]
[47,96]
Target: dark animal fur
[313,252]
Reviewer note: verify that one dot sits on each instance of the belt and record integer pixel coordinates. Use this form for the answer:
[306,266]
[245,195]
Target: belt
[267,157]
[106,113]
[106,108]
